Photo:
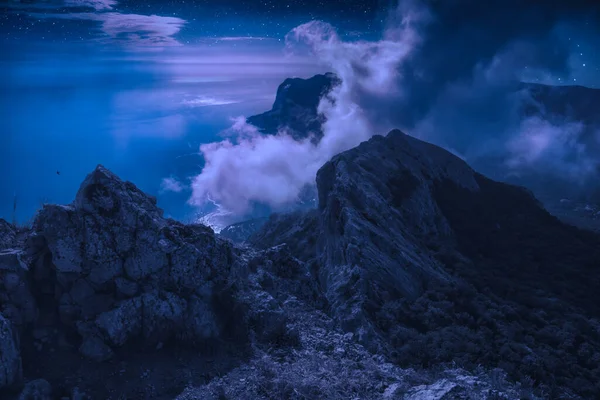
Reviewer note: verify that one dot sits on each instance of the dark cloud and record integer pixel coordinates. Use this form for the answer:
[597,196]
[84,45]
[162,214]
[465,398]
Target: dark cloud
[467,34]
[447,71]
[463,87]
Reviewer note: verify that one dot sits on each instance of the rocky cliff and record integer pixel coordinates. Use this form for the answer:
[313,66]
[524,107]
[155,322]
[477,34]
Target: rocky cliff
[415,278]
[295,107]
[424,259]
[108,274]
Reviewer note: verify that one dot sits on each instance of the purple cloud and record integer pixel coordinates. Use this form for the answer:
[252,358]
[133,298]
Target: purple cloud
[273,170]
[98,5]
[129,30]
[540,143]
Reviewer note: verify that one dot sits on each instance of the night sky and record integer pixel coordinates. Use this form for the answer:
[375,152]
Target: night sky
[139,85]
[184,22]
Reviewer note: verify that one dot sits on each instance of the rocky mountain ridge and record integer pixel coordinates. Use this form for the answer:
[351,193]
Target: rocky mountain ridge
[295,109]
[416,252]
[413,271]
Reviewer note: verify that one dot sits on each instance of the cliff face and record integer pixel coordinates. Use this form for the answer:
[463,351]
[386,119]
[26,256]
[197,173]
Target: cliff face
[378,216]
[419,255]
[391,208]
[295,107]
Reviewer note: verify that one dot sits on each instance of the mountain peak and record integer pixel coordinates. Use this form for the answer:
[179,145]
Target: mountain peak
[104,192]
[295,107]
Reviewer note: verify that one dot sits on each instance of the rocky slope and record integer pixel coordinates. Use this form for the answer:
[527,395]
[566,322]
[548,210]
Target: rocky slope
[295,107]
[415,278]
[429,262]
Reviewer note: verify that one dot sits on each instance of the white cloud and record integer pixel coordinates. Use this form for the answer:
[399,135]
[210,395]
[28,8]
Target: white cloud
[171,185]
[98,5]
[542,144]
[202,101]
[130,30]
[274,169]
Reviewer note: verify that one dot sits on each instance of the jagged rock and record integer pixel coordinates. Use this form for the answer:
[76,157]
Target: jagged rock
[109,270]
[298,230]
[95,349]
[16,300]
[200,321]
[112,259]
[295,107]
[284,276]
[265,317]
[377,215]
[8,235]
[10,357]
[408,251]
[38,389]
[413,246]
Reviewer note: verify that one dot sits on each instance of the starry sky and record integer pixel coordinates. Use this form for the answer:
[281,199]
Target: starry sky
[139,85]
[179,22]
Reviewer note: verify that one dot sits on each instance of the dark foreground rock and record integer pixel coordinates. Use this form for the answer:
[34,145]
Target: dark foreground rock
[107,277]
[10,357]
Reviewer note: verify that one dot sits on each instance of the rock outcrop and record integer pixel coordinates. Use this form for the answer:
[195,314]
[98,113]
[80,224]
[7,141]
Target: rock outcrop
[378,214]
[108,272]
[8,235]
[116,270]
[10,357]
[414,250]
[295,107]
[17,302]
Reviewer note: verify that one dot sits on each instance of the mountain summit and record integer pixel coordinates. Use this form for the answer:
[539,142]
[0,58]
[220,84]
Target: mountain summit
[425,259]
[295,107]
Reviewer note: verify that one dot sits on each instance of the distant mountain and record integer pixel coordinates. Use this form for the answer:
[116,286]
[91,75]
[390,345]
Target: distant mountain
[295,107]
[297,99]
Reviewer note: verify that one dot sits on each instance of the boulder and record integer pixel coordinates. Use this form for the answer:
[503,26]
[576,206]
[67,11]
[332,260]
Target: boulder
[38,389]
[17,302]
[8,235]
[10,356]
[113,265]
